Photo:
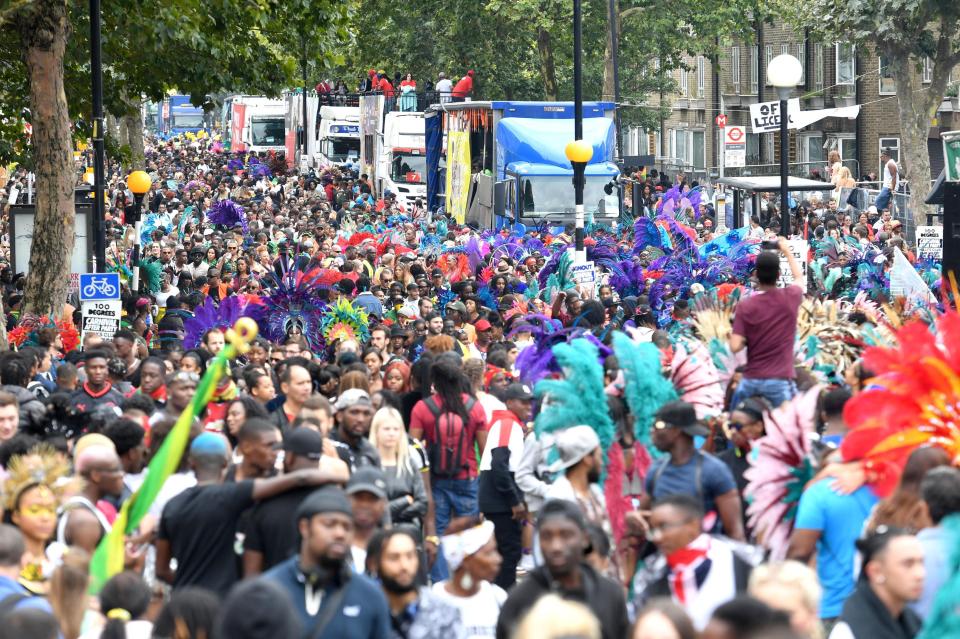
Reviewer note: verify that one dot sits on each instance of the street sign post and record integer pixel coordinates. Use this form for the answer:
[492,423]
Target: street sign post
[99,304]
[721,120]
[735,146]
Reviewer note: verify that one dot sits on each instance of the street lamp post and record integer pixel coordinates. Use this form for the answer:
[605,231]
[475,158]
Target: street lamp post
[578,152]
[784,72]
[99,153]
[139,183]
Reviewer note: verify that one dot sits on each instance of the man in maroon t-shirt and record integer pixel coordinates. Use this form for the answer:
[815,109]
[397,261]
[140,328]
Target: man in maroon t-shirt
[766,325]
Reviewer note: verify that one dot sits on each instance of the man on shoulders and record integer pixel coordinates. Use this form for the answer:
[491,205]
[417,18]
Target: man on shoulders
[766,325]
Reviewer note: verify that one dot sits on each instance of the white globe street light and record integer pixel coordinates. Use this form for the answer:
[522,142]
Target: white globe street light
[784,72]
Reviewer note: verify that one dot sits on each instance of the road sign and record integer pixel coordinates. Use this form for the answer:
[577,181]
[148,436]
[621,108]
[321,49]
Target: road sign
[583,273]
[101,317]
[735,135]
[721,120]
[930,242]
[765,117]
[99,286]
[800,251]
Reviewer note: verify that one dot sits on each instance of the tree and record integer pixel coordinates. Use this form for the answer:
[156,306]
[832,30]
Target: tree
[904,33]
[41,28]
[157,45]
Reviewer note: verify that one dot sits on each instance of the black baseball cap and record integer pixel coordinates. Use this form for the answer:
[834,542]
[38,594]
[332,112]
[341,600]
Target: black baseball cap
[517,391]
[304,442]
[679,414]
[368,479]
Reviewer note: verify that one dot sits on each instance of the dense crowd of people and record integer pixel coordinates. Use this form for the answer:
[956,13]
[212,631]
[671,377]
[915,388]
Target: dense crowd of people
[440,432]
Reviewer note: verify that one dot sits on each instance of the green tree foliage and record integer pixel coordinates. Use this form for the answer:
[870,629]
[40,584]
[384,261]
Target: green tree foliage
[904,32]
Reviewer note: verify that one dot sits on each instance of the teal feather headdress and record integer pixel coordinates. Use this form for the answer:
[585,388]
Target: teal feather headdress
[578,398]
[646,389]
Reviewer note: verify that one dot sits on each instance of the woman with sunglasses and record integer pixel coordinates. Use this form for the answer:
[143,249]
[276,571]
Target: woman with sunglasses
[745,426]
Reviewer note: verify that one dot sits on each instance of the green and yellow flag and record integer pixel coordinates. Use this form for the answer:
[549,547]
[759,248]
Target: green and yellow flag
[108,559]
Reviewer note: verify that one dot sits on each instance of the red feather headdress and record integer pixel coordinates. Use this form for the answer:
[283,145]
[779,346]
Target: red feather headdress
[913,401]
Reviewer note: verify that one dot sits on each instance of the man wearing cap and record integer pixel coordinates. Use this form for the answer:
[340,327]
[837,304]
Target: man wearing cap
[412,303]
[331,600]
[367,491]
[354,413]
[367,300]
[271,531]
[581,462]
[562,532]
[464,88]
[478,348]
[457,311]
[684,470]
[198,526]
[499,497]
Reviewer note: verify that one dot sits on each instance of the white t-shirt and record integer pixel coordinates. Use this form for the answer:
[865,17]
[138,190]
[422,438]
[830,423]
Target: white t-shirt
[444,87]
[478,613]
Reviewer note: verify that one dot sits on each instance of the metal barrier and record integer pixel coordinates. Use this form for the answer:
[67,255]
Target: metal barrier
[795,169]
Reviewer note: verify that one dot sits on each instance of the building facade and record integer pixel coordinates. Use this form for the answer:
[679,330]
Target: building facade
[835,75]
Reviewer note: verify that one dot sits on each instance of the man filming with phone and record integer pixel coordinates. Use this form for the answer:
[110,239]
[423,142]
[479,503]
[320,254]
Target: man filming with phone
[766,325]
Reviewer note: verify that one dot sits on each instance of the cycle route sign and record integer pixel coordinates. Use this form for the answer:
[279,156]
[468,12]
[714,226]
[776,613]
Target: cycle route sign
[100,304]
[99,286]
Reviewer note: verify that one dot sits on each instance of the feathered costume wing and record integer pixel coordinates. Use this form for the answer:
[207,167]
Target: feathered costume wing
[455,265]
[578,398]
[781,464]
[645,388]
[913,401]
[696,378]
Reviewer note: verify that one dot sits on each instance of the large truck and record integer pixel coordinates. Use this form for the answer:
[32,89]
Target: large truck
[393,150]
[506,165]
[338,135]
[255,123]
[297,129]
[176,115]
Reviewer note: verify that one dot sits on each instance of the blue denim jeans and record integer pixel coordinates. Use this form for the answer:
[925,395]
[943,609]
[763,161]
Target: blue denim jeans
[883,199]
[451,498]
[775,391]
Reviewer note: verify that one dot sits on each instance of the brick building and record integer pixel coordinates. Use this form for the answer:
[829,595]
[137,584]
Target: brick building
[835,75]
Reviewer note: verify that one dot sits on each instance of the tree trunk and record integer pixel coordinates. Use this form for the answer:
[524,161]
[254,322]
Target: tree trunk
[43,30]
[914,107]
[608,72]
[113,126]
[135,141]
[547,67]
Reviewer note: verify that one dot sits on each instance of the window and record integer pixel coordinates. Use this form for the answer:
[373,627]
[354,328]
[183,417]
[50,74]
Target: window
[892,145]
[784,49]
[735,68]
[811,150]
[887,85]
[753,148]
[699,150]
[684,82]
[766,64]
[847,146]
[754,70]
[701,75]
[927,70]
[818,67]
[846,65]
[802,57]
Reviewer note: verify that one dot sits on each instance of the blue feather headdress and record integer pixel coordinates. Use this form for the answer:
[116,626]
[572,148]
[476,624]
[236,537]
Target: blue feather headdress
[294,301]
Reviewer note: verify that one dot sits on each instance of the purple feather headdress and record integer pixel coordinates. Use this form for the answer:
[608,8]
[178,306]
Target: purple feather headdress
[208,315]
[292,301]
[229,214]
[235,164]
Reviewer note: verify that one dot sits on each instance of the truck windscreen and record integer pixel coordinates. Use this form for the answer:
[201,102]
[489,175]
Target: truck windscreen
[187,120]
[553,194]
[409,169]
[339,149]
[267,131]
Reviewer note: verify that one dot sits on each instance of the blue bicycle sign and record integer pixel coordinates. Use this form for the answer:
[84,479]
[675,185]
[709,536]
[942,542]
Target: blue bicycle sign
[99,286]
